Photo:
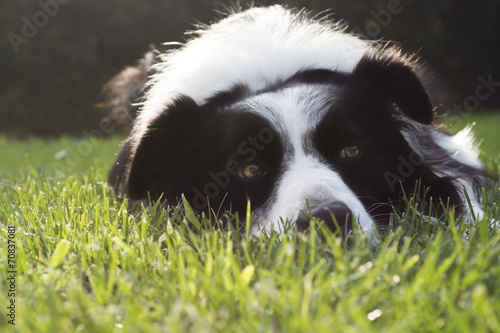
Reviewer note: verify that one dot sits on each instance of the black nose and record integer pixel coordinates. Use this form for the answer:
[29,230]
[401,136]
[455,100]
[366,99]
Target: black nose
[341,213]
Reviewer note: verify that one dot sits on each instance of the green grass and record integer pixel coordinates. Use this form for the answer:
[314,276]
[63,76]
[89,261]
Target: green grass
[86,264]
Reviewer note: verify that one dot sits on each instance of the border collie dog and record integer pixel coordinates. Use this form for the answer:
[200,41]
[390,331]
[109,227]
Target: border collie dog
[290,114]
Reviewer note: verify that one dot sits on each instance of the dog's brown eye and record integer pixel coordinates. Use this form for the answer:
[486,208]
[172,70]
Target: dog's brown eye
[251,171]
[350,151]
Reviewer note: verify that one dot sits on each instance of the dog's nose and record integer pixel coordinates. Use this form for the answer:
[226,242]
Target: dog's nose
[341,213]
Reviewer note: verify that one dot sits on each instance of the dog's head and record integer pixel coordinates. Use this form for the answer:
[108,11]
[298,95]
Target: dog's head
[345,142]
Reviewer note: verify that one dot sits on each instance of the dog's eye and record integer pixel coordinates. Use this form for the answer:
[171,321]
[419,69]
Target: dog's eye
[250,171]
[350,151]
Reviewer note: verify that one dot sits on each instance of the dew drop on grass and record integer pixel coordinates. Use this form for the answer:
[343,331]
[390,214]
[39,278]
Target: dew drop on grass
[363,268]
[61,154]
[374,314]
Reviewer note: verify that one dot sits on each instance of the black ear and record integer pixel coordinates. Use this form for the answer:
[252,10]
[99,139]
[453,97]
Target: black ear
[160,156]
[143,161]
[392,76]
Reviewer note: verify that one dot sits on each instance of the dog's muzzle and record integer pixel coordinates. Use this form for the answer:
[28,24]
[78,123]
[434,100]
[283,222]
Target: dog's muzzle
[335,215]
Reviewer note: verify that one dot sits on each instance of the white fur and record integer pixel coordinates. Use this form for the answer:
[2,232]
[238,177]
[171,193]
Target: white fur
[257,48]
[462,148]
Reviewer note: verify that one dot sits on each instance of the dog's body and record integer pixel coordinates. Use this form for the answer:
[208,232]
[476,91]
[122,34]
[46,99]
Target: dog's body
[270,107]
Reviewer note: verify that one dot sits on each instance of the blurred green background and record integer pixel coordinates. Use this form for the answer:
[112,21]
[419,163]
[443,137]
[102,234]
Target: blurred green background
[55,55]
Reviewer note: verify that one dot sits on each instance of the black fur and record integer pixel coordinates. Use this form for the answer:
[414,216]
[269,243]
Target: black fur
[198,149]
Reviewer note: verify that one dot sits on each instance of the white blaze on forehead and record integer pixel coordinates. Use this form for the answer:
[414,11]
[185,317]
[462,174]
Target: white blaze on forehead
[294,113]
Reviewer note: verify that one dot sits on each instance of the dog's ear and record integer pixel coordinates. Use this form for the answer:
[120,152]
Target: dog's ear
[384,73]
[148,163]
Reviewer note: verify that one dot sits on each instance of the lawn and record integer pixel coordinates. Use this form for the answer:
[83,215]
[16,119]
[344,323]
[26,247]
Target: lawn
[83,262]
